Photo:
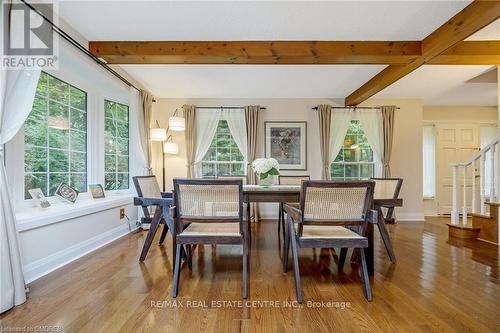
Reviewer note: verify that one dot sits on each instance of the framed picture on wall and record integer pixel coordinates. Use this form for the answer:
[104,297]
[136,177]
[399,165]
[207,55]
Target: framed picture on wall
[286,141]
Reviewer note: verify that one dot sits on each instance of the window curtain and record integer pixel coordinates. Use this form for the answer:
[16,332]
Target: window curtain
[190,136]
[372,124]
[252,124]
[388,112]
[325,120]
[237,126]
[429,158]
[144,121]
[205,129]
[338,129]
[17,92]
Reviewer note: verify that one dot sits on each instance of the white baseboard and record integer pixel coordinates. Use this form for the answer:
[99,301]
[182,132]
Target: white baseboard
[41,267]
[410,217]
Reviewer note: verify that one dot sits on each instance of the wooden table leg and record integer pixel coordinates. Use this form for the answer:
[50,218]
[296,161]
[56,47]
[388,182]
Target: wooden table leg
[385,235]
[155,222]
[249,221]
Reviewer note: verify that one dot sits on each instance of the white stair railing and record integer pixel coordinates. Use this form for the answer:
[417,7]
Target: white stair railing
[490,150]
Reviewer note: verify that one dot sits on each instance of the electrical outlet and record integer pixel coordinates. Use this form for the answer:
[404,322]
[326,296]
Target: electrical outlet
[122,213]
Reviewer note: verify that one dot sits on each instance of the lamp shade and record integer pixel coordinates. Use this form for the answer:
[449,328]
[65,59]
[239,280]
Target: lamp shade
[158,134]
[176,123]
[170,148]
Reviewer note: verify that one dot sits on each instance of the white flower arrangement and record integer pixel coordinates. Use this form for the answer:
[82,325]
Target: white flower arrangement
[265,167]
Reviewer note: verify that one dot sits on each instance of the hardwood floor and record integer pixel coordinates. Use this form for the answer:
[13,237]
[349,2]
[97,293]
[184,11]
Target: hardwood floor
[437,285]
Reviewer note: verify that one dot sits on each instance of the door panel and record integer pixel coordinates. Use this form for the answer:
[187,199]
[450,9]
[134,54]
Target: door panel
[456,143]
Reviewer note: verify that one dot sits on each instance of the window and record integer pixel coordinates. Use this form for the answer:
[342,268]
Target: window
[55,138]
[223,157]
[116,156]
[355,160]
[429,160]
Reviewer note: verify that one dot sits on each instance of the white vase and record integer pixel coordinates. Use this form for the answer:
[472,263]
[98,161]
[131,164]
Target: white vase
[268,181]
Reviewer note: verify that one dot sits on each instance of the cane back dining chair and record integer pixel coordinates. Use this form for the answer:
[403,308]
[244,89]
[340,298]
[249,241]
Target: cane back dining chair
[386,188]
[287,180]
[209,211]
[328,210]
[155,207]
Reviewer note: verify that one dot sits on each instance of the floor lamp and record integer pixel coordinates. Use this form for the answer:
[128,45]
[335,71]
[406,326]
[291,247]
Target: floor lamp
[175,124]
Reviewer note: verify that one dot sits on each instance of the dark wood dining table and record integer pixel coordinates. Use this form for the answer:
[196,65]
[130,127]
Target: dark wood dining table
[291,193]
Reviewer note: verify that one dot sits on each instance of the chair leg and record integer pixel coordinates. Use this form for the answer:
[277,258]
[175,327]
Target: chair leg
[343,255]
[286,250]
[280,218]
[245,272]
[177,271]
[163,233]
[364,276]
[385,238]
[293,240]
[189,255]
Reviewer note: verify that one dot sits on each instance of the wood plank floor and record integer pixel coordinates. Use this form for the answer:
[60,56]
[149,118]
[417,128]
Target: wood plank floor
[437,285]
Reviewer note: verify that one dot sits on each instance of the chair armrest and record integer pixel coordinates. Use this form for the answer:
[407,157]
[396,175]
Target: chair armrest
[293,212]
[138,201]
[166,195]
[373,216]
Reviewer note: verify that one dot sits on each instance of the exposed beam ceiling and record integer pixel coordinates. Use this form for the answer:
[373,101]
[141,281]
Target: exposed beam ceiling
[468,21]
[290,52]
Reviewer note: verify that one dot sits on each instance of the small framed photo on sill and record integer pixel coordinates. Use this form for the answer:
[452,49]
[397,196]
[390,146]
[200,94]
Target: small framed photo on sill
[39,198]
[96,191]
[67,193]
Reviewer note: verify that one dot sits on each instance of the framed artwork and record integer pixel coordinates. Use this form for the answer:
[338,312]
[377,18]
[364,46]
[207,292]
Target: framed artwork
[39,198]
[96,191]
[286,141]
[67,193]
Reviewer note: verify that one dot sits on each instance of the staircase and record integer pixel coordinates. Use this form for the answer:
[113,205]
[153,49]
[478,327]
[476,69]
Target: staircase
[484,225]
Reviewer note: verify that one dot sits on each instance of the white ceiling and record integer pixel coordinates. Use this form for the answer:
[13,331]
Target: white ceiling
[444,85]
[257,20]
[283,20]
[250,81]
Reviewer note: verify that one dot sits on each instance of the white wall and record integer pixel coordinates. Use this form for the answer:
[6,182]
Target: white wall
[406,157]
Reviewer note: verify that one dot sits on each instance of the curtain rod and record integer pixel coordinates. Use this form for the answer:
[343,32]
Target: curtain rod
[80,47]
[355,107]
[226,107]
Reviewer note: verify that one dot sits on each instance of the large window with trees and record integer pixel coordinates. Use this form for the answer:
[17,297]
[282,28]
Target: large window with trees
[55,137]
[223,157]
[355,159]
[116,148]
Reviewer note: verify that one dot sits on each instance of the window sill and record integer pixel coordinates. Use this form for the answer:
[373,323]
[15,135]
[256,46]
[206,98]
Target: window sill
[36,217]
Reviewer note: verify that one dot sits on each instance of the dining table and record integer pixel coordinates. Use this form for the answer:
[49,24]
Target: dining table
[291,194]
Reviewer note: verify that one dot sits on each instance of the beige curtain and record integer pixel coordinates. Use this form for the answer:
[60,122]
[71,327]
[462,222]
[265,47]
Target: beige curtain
[190,133]
[146,107]
[252,124]
[388,112]
[325,117]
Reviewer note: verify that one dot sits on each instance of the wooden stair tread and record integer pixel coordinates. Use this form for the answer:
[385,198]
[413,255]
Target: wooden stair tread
[493,203]
[481,216]
[463,226]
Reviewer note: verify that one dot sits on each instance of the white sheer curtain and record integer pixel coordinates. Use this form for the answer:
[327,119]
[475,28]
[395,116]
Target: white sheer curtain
[139,165]
[237,126]
[17,91]
[206,126]
[429,158]
[371,122]
[339,126]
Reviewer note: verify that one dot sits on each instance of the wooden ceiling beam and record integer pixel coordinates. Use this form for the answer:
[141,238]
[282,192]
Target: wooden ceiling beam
[471,19]
[256,52]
